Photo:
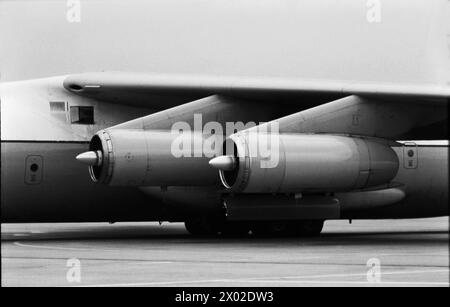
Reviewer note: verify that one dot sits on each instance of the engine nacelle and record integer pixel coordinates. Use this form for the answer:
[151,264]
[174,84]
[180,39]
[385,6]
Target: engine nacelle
[122,157]
[290,163]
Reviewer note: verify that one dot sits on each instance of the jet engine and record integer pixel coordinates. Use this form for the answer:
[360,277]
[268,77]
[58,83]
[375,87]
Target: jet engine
[290,163]
[133,157]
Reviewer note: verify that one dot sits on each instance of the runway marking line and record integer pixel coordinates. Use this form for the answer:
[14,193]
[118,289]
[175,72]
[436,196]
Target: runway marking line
[52,247]
[333,282]
[364,274]
[284,280]
[17,243]
[79,249]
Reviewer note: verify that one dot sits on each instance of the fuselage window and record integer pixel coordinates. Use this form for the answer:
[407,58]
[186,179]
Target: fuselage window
[57,106]
[82,115]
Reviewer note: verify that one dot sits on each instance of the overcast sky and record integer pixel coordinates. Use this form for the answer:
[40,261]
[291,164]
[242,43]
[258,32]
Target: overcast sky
[310,39]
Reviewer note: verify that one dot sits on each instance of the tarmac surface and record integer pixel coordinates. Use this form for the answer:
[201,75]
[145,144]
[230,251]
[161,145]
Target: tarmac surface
[365,253]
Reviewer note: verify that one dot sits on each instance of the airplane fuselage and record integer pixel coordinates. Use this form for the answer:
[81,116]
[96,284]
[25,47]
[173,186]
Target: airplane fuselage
[42,181]
[287,52]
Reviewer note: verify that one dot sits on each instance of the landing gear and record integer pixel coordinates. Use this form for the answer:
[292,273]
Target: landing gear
[205,226]
[304,228]
[271,229]
[213,226]
[307,228]
[235,229]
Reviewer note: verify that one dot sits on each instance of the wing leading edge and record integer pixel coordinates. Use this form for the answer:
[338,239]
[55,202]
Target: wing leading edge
[115,86]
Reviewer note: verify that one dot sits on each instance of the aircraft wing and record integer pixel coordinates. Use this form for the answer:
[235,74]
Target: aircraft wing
[140,88]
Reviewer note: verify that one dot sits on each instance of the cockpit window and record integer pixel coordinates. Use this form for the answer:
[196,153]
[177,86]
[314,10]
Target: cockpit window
[82,115]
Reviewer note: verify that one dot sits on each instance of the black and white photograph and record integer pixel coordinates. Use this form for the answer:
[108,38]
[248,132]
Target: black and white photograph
[227,150]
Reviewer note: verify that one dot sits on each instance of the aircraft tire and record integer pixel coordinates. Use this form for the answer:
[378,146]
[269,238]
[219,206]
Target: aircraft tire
[202,227]
[271,229]
[235,229]
[307,228]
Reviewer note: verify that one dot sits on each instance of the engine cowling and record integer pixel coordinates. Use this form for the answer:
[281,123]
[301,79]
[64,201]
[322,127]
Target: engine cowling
[131,157]
[295,163]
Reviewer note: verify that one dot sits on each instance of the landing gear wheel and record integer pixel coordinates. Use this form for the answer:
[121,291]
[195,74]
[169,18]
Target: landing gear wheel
[307,228]
[271,229]
[202,226]
[235,229]
[194,227]
[210,226]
